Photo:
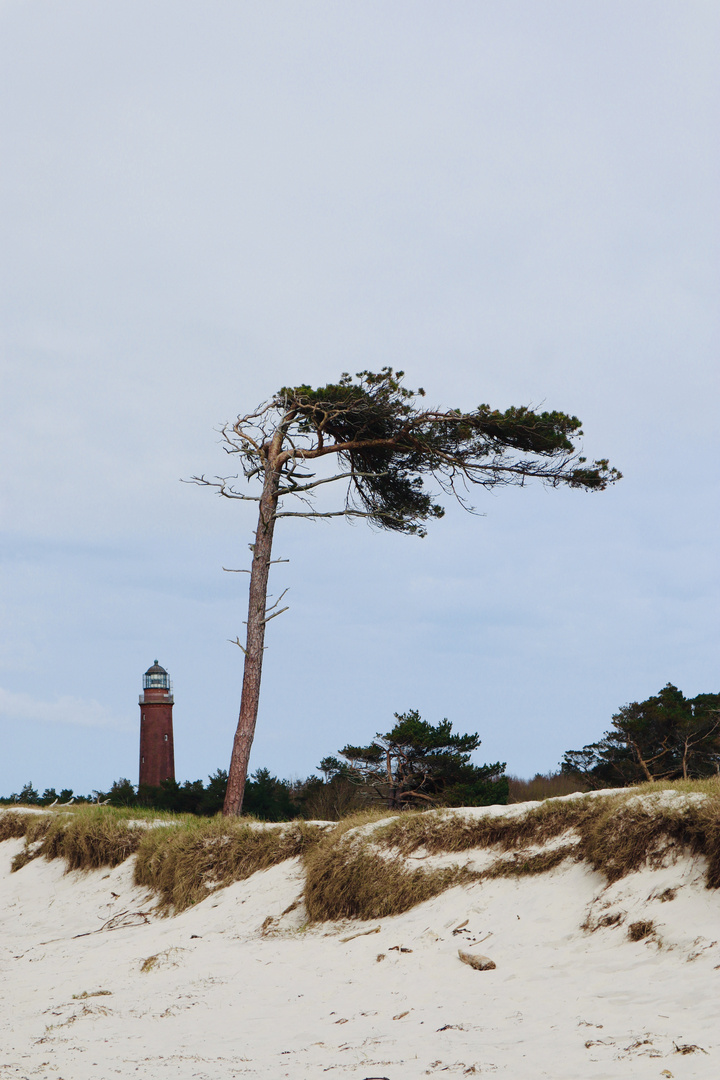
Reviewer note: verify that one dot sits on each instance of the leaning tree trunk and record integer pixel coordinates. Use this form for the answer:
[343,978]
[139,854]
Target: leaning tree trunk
[255,643]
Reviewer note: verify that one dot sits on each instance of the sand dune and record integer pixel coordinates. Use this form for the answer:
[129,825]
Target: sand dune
[95,984]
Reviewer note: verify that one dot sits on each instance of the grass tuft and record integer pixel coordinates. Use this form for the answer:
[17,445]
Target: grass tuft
[524,864]
[90,839]
[454,832]
[616,834]
[86,840]
[13,826]
[642,929]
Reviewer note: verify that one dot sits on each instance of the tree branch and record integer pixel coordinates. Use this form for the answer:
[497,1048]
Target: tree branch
[317,514]
[277,601]
[296,489]
[275,614]
[223,489]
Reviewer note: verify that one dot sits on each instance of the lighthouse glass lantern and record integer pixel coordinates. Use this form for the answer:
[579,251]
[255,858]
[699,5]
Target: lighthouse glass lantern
[156,678]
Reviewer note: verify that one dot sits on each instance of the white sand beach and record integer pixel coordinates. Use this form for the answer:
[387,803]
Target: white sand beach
[95,984]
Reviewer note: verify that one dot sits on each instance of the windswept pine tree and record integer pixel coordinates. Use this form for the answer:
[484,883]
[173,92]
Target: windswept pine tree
[386,445]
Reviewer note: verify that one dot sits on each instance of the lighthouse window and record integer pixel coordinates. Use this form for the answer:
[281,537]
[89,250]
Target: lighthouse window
[143,761]
[166,738]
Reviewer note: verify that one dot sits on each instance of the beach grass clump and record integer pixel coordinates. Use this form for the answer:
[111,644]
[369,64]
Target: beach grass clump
[615,834]
[90,839]
[452,831]
[646,827]
[182,866]
[525,864]
[640,930]
[86,840]
[347,879]
[14,825]
[359,872]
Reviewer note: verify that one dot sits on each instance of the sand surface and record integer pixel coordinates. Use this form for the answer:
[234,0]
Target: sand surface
[95,985]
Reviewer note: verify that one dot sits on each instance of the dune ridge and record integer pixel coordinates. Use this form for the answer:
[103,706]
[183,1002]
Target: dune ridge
[228,949]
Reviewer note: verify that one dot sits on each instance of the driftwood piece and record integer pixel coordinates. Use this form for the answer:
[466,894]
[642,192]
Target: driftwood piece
[476,960]
[363,933]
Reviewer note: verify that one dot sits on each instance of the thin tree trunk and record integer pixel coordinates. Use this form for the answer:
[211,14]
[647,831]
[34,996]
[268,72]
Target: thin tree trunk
[255,642]
[642,762]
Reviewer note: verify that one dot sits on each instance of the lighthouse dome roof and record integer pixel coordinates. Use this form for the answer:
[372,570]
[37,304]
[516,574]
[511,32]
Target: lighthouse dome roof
[156,669]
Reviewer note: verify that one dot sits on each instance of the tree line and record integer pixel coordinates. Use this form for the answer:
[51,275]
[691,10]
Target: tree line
[414,764]
[419,765]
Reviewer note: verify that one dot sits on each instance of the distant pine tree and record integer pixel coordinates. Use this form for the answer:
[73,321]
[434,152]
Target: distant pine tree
[666,737]
[418,764]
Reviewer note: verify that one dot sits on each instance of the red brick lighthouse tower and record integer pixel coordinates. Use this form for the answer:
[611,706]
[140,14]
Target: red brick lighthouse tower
[157,755]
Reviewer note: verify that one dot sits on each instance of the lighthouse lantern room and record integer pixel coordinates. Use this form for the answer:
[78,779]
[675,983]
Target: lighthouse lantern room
[157,754]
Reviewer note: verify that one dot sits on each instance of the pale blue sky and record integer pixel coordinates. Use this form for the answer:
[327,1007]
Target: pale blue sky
[515,203]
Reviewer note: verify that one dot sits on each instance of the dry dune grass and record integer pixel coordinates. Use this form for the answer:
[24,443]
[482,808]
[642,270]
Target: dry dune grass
[628,831]
[615,833]
[87,839]
[346,879]
[448,831]
[180,858]
[183,865]
[524,864]
[357,869]
[362,874]
[14,825]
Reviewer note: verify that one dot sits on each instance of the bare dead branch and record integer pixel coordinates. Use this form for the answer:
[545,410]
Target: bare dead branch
[279,599]
[317,514]
[223,489]
[275,614]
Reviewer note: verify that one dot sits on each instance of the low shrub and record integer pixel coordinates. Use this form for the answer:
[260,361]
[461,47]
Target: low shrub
[543,786]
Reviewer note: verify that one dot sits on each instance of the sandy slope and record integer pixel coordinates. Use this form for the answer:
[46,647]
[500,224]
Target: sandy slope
[230,995]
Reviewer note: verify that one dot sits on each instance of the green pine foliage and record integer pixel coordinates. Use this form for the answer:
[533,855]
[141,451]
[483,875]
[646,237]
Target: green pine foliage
[666,737]
[29,796]
[391,444]
[421,765]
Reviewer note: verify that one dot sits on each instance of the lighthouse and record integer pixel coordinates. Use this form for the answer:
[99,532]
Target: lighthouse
[157,756]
